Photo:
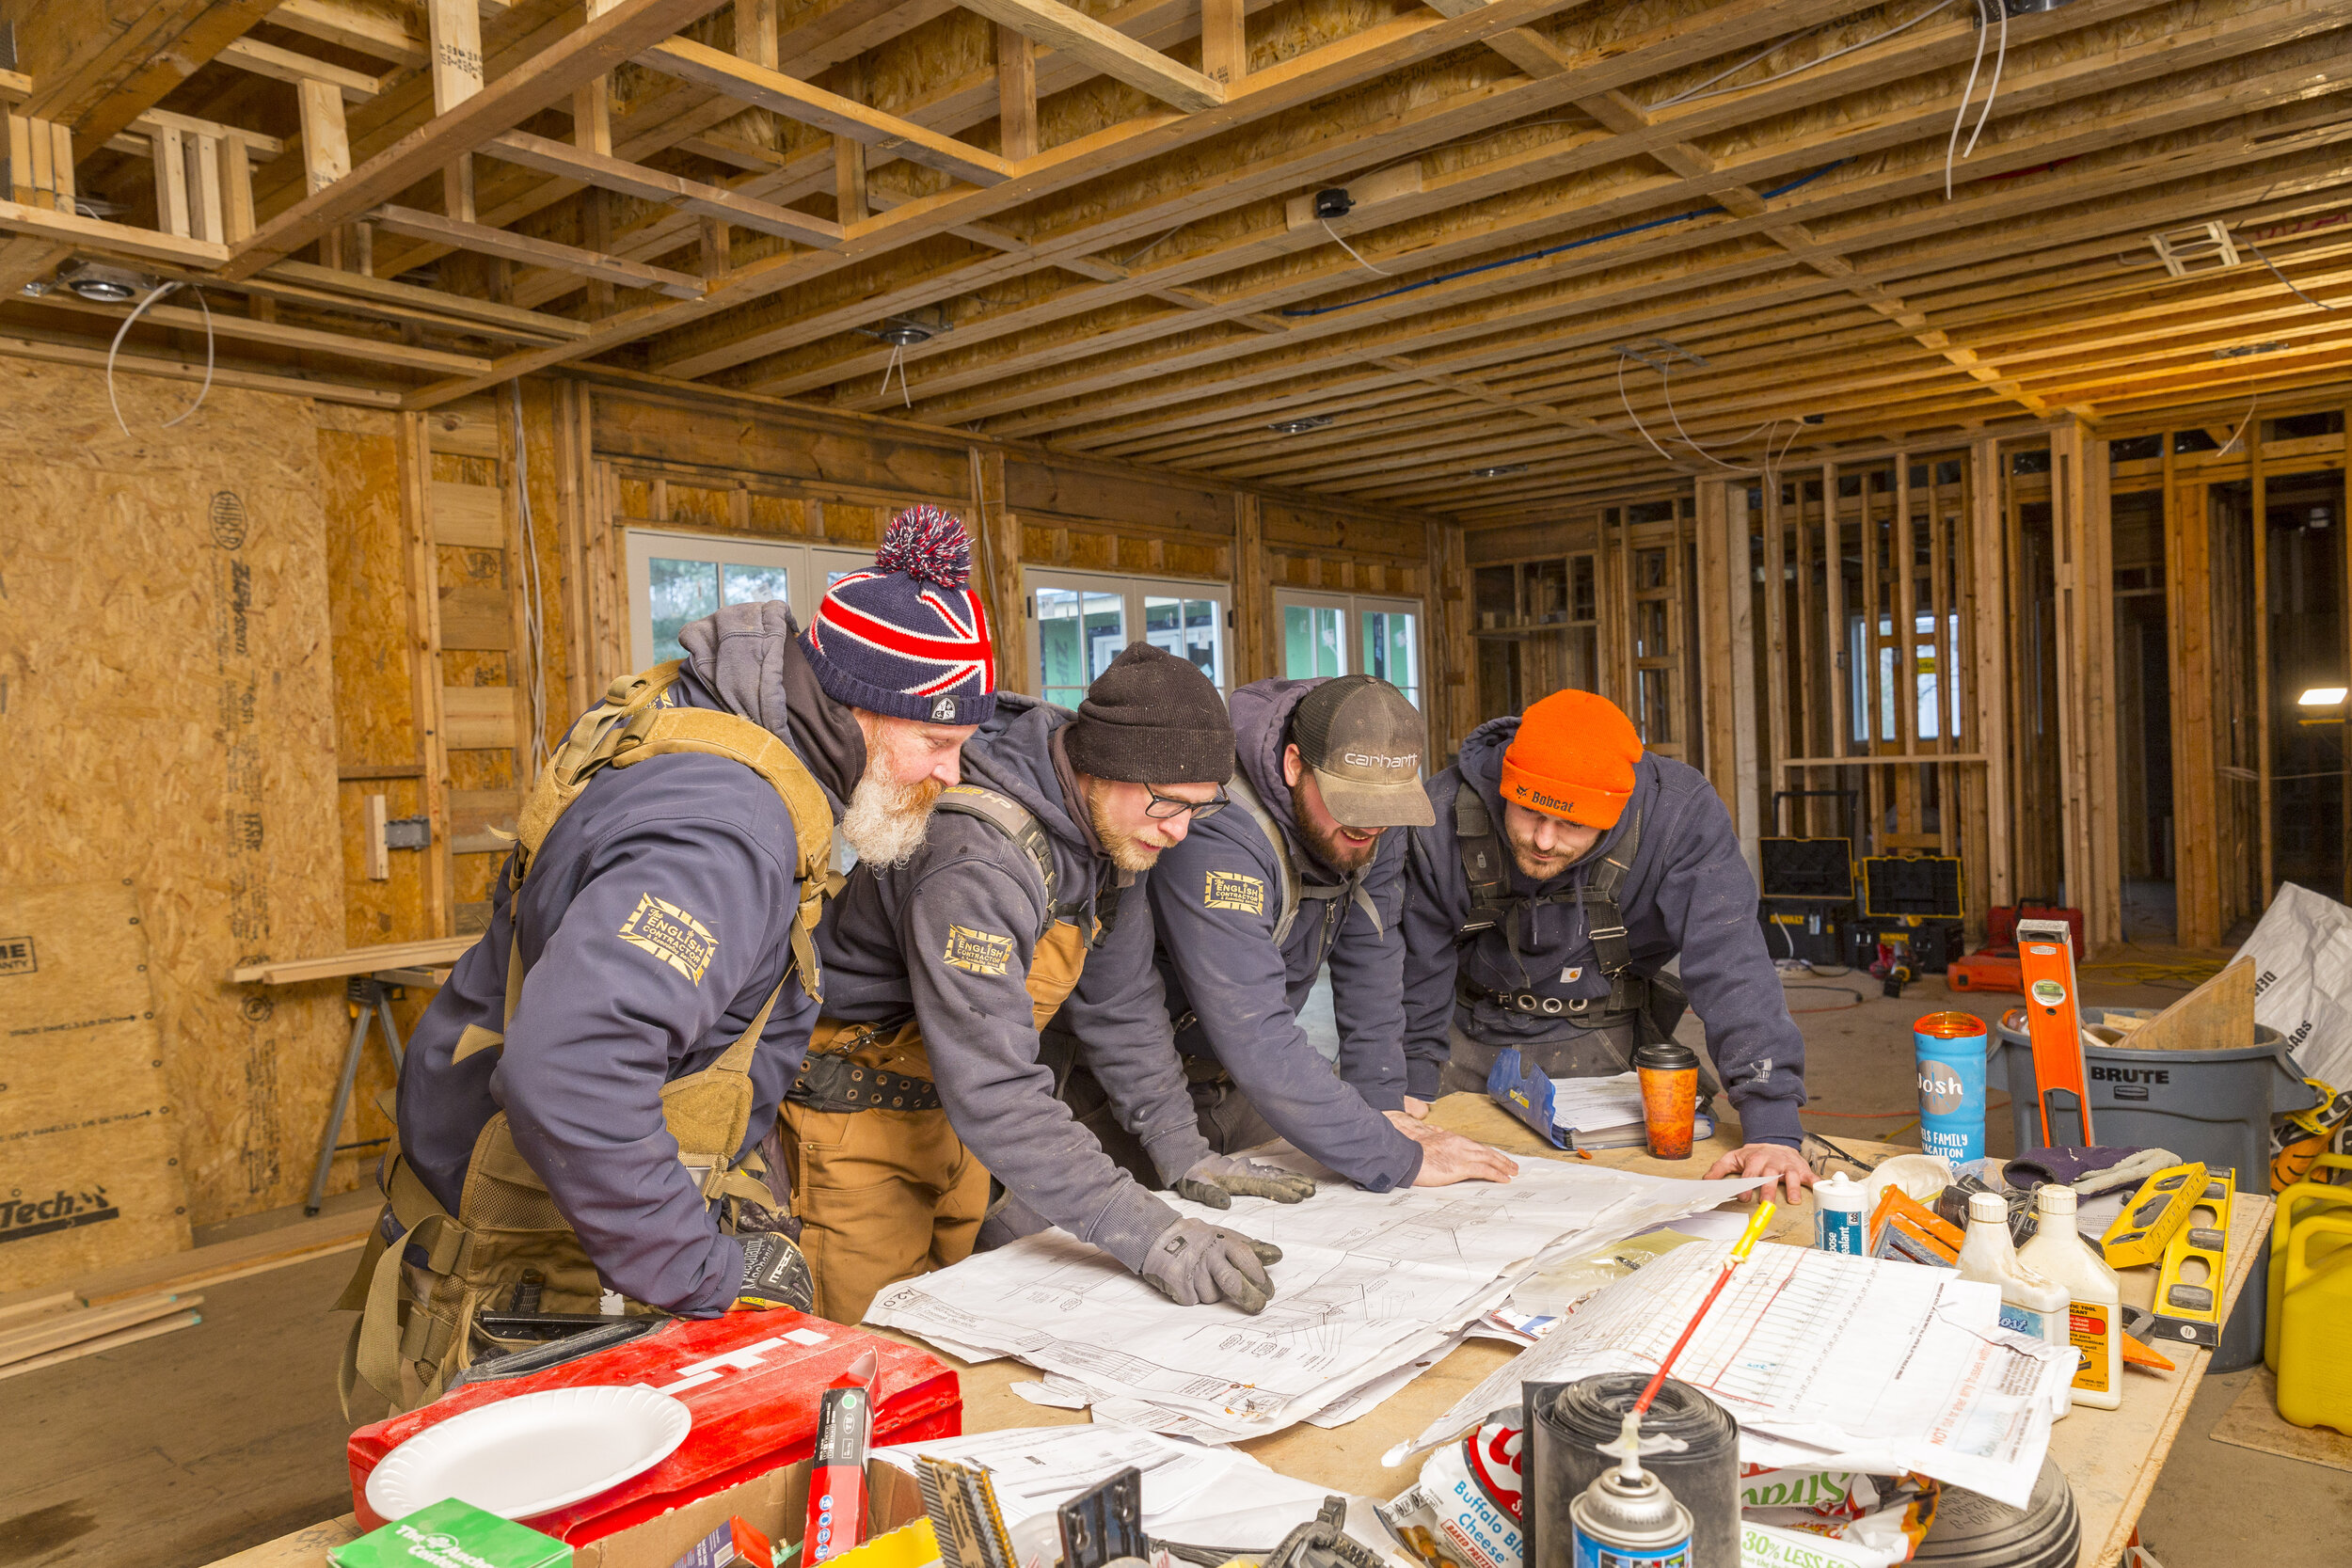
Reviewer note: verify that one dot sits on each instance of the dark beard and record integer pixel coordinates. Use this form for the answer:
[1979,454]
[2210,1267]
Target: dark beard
[1337,852]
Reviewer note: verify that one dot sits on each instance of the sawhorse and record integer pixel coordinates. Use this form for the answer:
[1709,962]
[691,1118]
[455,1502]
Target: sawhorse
[369,998]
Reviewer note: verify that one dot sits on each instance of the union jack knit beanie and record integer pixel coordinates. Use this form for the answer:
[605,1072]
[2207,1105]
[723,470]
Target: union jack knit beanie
[909,639]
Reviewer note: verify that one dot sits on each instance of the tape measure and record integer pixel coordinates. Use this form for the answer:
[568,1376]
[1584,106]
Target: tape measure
[2188,1289]
[2154,1216]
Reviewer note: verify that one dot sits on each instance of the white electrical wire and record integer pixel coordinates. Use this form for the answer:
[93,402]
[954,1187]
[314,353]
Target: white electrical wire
[1693,94]
[1665,382]
[1352,250]
[2224,449]
[898,363]
[1637,418]
[534,604]
[2001,58]
[1951,148]
[124,331]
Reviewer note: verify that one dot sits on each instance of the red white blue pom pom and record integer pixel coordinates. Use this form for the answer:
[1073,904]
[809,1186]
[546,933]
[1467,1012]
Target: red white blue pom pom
[929,543]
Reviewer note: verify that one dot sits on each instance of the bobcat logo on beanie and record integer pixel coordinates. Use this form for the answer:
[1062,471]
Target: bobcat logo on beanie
[1572,758]
[909,639]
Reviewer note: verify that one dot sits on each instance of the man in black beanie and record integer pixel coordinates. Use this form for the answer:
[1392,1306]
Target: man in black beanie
[1024,901]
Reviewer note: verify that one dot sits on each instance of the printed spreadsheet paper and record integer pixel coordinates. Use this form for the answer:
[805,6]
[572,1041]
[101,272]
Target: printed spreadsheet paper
[1825,1360]
[1369,1284]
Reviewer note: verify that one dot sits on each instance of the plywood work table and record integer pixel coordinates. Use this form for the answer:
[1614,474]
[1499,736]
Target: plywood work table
[2111,1456]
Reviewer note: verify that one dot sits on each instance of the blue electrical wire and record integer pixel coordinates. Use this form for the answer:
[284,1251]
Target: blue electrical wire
[1554,250]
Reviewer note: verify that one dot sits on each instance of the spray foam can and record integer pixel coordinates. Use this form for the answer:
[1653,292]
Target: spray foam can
[1628,1521]
[1950,1048]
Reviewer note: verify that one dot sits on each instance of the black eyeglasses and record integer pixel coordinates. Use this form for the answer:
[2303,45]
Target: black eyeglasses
[1163,807]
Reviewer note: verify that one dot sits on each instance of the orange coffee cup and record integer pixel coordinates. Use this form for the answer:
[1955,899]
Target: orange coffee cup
[1669,1075]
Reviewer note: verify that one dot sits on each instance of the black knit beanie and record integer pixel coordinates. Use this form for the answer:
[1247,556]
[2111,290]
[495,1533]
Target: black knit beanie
[1152,718]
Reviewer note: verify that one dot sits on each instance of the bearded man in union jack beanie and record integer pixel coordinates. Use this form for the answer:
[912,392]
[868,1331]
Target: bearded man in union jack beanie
[909,641]
[659,909]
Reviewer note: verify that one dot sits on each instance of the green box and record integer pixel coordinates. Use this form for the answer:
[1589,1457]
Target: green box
[452,1535]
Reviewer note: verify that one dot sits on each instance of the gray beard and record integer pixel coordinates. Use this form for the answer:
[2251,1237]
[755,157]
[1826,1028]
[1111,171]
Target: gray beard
[886,823]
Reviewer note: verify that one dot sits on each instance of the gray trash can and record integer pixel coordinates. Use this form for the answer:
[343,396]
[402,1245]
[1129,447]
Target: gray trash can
[2211,1106]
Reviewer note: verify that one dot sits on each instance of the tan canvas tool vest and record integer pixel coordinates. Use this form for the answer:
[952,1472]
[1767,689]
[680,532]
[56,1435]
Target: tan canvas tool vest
[508,1247]
[856,1066]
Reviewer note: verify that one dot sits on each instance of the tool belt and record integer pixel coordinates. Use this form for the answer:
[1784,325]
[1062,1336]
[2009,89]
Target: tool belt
[1628,995]
[835,1083]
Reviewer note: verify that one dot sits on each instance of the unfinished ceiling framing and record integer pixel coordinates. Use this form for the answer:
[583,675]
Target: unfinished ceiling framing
[1583,250]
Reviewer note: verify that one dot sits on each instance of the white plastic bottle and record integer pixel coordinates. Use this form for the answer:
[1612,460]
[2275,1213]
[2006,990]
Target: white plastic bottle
[2096,1296]
[2030,1305]
[1838,1223]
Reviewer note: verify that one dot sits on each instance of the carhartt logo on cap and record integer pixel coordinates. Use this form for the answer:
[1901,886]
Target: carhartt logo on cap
[1382,759]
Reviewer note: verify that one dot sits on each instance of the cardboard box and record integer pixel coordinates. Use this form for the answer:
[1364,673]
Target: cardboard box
[775,1504]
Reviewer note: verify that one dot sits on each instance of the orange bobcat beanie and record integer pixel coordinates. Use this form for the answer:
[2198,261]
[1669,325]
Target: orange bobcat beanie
[1572,758]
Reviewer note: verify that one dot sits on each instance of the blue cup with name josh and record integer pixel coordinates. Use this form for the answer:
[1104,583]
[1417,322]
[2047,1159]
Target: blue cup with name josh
[1949,1049]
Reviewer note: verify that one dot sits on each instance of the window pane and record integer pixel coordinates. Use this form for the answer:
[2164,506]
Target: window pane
[1312,643]
[1391,651]
[752,584]
[679,592]
[1189,628]
[1079,631]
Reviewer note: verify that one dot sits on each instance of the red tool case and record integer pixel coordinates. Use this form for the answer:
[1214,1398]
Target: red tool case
[751,1380]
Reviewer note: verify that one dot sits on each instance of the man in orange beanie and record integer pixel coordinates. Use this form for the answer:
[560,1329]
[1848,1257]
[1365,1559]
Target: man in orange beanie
[1565,868]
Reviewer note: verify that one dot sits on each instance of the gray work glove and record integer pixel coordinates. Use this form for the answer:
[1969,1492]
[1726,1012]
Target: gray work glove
[1218,1180]
[1193,1262]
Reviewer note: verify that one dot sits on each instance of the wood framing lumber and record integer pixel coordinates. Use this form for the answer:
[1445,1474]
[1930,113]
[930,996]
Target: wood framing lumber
[289,65]
[1016,93]
[373,350]
[326,142]
[538,253]
[33,346]
[96,79]
[44,1335]
[543,81]
[615,174]
[118,238]
[104,1343]
[367,32]
[15,87]
[1107,50]
[16,1312]
[358,960]
[454,30]
[796,100]
[410,300]
[259,148]
[1224,42]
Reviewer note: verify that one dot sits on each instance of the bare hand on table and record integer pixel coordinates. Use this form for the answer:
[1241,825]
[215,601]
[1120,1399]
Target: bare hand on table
[1776,1163]
[1417,1109]
[1449,1157]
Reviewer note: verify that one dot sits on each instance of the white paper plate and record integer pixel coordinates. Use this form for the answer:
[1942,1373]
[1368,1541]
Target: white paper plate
[534,1452]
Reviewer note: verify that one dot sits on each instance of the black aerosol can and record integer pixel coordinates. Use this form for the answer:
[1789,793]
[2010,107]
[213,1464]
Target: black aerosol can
[1626,1518]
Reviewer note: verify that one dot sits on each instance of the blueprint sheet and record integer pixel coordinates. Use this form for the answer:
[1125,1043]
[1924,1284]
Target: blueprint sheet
[1369,1283]
[1853,1361]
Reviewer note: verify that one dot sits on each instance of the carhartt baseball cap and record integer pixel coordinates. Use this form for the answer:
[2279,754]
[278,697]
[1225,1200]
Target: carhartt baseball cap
[1364,741]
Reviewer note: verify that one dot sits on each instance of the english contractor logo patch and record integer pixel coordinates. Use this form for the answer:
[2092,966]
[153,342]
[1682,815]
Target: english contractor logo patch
[1230,890]
[669,933]
[978,952]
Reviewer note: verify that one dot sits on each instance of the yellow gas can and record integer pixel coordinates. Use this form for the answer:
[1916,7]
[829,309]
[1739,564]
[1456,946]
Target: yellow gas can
[2299,1200]
[2315,1327]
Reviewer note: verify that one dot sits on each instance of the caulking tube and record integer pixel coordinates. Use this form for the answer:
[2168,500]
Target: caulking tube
[836,1478]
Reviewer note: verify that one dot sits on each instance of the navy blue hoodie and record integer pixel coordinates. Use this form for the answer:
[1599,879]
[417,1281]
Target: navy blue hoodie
[1218,961]
[1689,892]
[947,939]
[605,1021]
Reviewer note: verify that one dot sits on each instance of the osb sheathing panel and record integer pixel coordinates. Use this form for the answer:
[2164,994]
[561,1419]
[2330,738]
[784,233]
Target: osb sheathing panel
[165,640]
[92,1174]
[367,588]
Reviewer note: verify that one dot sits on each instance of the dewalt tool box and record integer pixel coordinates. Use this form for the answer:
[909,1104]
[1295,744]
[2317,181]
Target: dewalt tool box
[1912,903]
